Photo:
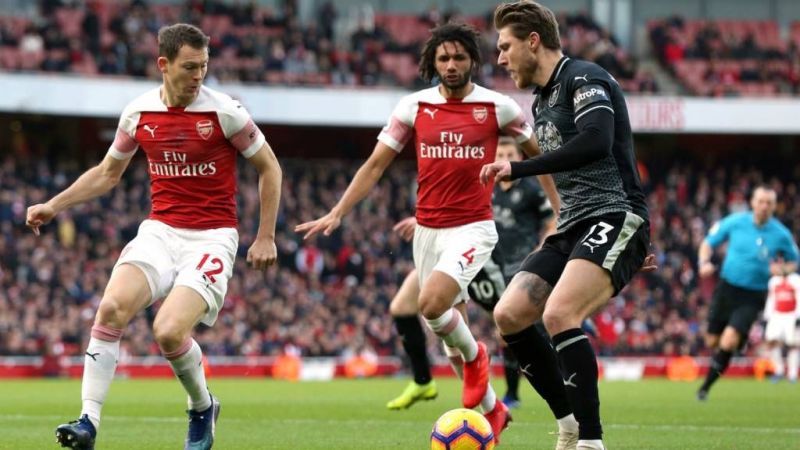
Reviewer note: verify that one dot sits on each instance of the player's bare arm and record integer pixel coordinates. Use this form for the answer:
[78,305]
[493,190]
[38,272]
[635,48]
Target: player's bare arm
[704,265]
[263,253]
[91,184]
[365,179]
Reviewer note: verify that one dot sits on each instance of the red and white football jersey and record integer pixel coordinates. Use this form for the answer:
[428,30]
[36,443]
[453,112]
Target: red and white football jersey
[453,139]
[784,295]
[191,155]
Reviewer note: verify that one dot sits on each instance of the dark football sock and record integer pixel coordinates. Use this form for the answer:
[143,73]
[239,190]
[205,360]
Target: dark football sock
[719,363]
[537,361]
[579,369]
[413,337]
[511,368]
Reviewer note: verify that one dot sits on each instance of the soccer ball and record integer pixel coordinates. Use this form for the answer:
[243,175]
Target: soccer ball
[462,429]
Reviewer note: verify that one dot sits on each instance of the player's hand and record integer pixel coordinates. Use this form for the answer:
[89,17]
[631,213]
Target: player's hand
[649,264]
[707,269]
[405,228]
[39,215]
[262,254]
[497,171]
[326,224]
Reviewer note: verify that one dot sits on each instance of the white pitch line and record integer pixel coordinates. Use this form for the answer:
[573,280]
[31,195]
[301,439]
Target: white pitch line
[517,425]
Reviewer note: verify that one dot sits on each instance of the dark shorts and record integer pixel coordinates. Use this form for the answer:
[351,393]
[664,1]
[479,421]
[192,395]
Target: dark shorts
[617,242]
[488,285]
[736,307]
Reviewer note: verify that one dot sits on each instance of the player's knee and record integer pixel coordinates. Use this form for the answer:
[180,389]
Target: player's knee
[114,311]
[401,306]
[168,335]
[505,319]
[432,307]
[556,321]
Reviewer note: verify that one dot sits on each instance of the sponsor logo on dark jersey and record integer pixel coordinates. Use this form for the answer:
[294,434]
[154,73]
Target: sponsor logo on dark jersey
[586,95]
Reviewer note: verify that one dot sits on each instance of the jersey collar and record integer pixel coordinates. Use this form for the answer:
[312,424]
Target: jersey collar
[556,72]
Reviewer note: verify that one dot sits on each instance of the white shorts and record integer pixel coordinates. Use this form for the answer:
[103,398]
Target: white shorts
[782,328]
[459,252]
[199,259]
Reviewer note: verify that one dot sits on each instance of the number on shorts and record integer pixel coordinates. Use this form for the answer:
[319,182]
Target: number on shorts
[602,235]
[215,270]
[468,255]
[482,290]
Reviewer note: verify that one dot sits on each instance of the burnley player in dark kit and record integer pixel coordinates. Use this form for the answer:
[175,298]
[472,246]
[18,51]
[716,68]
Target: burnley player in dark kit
[583,131]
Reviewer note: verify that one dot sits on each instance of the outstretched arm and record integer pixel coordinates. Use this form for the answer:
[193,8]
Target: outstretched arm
[531,148]
[367,176]
[91,184]
[262,252]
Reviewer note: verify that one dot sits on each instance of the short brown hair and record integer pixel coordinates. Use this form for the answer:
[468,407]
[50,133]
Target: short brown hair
[171,38]
[526,17]
[449,32]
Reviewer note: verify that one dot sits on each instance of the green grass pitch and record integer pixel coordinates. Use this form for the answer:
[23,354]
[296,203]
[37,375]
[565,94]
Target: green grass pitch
[351,414]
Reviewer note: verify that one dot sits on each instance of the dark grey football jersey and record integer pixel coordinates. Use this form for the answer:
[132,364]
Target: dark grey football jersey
[519,215]
[608,185]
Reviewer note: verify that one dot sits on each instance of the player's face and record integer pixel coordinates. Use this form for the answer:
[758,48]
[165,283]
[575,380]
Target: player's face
[453,64]
[507,152]
[517,56]
[184,75]
[763,204]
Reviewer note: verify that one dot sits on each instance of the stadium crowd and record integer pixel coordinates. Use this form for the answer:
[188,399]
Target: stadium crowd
[729,58]
[257,44]
[330,296]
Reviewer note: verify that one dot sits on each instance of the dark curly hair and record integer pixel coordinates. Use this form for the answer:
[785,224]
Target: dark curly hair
[449,32]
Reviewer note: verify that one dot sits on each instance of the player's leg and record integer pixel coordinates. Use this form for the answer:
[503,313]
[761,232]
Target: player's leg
[127,293]
[205,265]
[745,311]
[773,335]
[516,316]
[593,274]
[447,260]
[793,352]
[182,310]
[719,314]
[511,372]
[405,314]
[583,288]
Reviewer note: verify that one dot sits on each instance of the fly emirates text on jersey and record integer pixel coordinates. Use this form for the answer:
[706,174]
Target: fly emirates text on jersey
[451,147]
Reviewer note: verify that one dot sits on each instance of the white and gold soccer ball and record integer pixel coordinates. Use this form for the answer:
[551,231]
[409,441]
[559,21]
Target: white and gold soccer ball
[462,429]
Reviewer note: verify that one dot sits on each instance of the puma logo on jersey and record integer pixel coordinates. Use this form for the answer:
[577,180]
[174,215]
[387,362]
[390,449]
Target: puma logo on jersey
[152,131]
[591,247]
[582,78]
[93,355]
[430,112]
[568,381]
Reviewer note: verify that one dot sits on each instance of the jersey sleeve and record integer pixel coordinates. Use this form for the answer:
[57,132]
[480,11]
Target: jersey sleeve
[790,252]
[125,145]
[511,120]
[720,231]
[399,129]
[591,91]
[240,130]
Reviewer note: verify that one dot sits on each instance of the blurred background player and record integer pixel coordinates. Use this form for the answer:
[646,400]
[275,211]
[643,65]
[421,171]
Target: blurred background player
[455,127]
[783,317]
[755,239]
[522,213]
[583,129]
[184,252]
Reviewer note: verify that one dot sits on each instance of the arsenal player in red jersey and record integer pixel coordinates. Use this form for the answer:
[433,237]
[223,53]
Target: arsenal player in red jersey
[184,252]
[454,129]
